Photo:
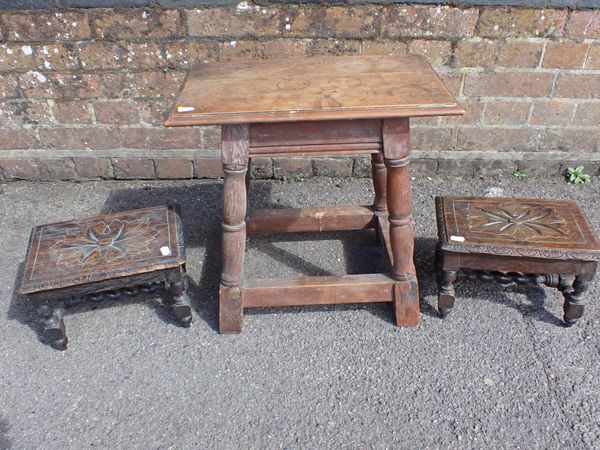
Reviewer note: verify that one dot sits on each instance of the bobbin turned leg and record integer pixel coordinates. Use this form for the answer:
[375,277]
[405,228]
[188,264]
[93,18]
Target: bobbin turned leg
[235,167]
[396,150]
[446,294]
[573,289]
[379,175]
[54,326]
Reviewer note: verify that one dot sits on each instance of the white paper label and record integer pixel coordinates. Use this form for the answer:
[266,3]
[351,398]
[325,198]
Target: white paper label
[185,109]
[457,238]
[165,251]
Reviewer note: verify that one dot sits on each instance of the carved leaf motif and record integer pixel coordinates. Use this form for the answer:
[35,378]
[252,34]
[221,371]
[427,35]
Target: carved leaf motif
[521,222]
[104,243]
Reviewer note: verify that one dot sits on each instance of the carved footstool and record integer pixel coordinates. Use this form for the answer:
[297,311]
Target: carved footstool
[522,241]
[107,256]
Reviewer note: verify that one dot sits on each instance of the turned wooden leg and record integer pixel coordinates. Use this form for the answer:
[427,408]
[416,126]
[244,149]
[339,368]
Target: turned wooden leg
[235,167]
[54,326]
[379,175]
[181,302]
[573,288]
[446,295]
[396,148]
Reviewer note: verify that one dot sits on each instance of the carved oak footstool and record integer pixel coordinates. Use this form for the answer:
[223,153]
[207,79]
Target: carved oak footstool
[522,241]
[106,256]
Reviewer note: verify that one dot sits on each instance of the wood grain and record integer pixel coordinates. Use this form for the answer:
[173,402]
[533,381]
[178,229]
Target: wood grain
[320,88]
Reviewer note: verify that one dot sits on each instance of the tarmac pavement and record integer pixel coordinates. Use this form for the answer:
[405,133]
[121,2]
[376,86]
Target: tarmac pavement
[499,372]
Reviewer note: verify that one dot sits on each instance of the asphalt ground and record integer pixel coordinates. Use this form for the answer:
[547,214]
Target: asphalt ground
[499,372]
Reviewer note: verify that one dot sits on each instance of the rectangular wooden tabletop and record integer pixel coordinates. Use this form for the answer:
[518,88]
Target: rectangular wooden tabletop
[320,88]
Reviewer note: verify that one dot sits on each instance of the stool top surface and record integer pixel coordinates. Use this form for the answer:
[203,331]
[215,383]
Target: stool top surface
[516,227]
[319,88]
[102,247]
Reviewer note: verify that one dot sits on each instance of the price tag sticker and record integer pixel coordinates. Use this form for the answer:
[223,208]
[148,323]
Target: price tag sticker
[457,238]
[165,251]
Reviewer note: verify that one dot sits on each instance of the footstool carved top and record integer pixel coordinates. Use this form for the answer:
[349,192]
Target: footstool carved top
[102,247]
[515,227]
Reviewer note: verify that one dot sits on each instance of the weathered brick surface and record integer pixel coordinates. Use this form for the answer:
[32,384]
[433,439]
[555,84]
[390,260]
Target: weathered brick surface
[91,167]
[79,138]
[81,80]
[133,168]
[139,24]
[551,113]
[73,112]
[506,112]
[117,113]
[431,22]
[509,84]
[516,22]
[174,168]
[565,55]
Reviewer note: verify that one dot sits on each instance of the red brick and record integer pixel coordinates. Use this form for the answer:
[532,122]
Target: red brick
[16,56]
[159,138]
[39,85]
[174,168]
[519,54]
[233,22]
[73,112]
[292,167]
[521,22]
[94,168]
[551,113]
[183,54]
[499,139]
[593,59]
[286,48]
[335,47]
[476,53]
[428,21]
[153,111]
[208,168]
[232,50]
[333,167]
[570,140]
[432,138]
[564,55]
[588,114]
[11,139]
[211,138]
[19,113]
[437,53]
[384,48]
[157,84]
[577,86]
[472,116]
[79,138]
[107,55]
[333,21]
[424,121]
[137,24]
[56,57]
[584,24]
[45,26]
[57,169]
[452,80]
[133,168]
[506,112]
[508,84]
[118,113]
[19,169]
[8,86]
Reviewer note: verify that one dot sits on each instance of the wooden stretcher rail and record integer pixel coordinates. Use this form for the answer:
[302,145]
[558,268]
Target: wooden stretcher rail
[294,220]
[316,149]
[318,290]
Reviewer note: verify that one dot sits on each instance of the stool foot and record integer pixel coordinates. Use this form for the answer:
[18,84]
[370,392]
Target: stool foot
[181,303]
[406,303]
[54,326]
[446,294]
[573,289]
[231,313]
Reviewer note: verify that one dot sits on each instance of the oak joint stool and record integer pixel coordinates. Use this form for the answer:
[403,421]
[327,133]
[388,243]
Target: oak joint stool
[109,256]
[322,106]
[521,241]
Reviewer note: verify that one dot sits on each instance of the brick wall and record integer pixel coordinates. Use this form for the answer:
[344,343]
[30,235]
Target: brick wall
[84,91]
